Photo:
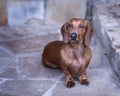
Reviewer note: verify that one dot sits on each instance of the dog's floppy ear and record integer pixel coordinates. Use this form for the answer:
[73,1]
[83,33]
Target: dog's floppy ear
[64,31]
[88,34]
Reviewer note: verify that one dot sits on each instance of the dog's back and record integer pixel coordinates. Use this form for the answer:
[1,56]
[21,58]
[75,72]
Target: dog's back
[51,54]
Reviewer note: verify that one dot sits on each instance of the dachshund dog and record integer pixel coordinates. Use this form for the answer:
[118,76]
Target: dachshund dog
[72,55]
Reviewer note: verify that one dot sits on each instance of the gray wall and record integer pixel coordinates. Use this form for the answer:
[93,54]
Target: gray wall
[47,11]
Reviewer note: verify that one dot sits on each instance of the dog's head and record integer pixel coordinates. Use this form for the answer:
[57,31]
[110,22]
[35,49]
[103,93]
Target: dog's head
[77,30]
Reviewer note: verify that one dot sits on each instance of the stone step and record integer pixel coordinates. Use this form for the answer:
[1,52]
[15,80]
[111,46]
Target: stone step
[106,22]
[26,31]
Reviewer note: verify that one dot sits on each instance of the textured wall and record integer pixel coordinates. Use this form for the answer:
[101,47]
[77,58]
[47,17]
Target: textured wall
[21,11]
[60,11]
[47,11]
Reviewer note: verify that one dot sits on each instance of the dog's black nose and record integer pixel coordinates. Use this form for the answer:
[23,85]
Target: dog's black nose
[73,36]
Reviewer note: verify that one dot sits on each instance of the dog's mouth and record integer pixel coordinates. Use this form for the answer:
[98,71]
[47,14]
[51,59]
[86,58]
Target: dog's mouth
[73,41]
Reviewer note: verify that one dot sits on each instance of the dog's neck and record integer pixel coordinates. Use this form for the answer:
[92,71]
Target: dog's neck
[78,49]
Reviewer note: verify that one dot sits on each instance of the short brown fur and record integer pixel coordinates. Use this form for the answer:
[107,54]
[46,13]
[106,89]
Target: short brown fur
[72,56]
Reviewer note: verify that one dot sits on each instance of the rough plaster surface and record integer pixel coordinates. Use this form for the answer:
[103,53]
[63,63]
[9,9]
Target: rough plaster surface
[60,11]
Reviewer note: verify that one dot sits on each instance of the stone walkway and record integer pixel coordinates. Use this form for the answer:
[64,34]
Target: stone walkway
[22,73]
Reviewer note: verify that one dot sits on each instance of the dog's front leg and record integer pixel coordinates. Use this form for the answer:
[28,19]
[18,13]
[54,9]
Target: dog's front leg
[69,80]
[83,79]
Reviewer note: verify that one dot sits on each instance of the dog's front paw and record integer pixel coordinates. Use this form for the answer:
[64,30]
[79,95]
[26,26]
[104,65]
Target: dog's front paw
[70,83]
[84,82]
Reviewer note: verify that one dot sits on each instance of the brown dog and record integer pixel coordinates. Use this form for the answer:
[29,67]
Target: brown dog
[72,54]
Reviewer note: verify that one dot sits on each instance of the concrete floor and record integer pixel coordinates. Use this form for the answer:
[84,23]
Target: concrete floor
[22,73]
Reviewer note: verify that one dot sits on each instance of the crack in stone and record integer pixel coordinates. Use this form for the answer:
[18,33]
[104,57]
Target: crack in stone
[4,79]
[50,91]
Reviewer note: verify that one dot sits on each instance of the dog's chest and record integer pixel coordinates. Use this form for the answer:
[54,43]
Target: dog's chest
[74,61]
[75,66]
[73,58]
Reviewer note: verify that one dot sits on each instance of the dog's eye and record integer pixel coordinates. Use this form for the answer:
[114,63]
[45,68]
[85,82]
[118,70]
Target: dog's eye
[81,26]
[70,25]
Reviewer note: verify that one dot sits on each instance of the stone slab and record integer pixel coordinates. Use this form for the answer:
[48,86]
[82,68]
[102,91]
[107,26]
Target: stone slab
[25,87]
[27,31]
[4,52]
[31,67]
[5,94]
[9,73]
[6,63]
[80,90]
[2,80]
[62,11]
[30,44]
